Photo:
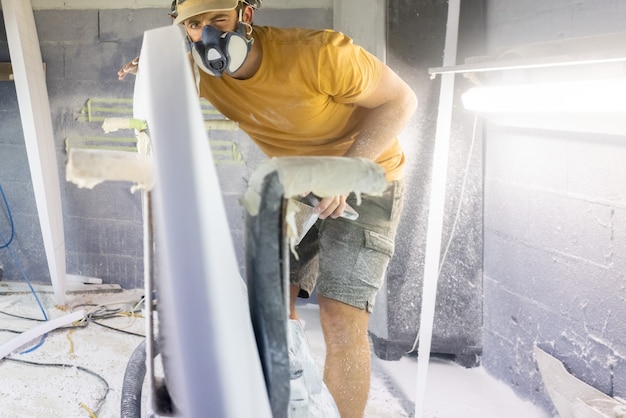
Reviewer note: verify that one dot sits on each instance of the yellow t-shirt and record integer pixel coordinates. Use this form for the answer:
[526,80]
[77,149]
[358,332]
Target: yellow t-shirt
[300,101]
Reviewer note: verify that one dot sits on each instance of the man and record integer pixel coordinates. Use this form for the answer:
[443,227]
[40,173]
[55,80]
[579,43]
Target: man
[299,92]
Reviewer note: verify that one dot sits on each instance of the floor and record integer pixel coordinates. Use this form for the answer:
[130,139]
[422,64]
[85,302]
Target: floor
[452,391]
[78,371]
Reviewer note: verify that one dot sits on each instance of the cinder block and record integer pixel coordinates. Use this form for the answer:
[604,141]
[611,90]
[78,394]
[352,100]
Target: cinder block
[506,262]
[108,200]
[505,316]
[111,87]
[19,193]
[71,95]
[514,365]
[533,159]
[506,208]
[595,171]
[570,225]
[11,132]
[570,288]
[33,262]
[9,97]
[93,62]
[126,271]
[587,349]
[27,228]
[75,26]
[125,24]
[51,55]
[100,236]
[14,162]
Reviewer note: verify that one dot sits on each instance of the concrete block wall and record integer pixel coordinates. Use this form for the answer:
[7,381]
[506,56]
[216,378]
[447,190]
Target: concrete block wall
[554,212]
[83,48]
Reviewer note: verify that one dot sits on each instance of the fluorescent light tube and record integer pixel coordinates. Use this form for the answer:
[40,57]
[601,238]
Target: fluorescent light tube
[602,96]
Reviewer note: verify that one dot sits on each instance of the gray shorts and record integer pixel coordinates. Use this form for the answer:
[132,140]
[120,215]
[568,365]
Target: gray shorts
[346,260]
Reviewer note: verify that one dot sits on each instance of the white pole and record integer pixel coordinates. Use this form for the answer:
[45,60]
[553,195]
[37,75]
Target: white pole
[32,98]
[436,210]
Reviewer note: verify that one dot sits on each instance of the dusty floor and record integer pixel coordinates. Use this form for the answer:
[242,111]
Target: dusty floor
[78,372]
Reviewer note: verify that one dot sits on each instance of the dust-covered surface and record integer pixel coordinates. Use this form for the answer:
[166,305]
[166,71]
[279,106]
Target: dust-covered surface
[96,355]
[79,370]
[452,391]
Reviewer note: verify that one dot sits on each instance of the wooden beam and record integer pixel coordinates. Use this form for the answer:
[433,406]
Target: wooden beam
[6,71]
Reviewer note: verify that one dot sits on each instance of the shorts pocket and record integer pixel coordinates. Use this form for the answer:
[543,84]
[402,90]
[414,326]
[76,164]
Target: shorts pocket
[371,263]
[380,243]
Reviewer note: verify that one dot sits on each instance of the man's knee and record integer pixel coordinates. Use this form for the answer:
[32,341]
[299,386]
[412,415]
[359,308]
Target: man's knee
[342,323]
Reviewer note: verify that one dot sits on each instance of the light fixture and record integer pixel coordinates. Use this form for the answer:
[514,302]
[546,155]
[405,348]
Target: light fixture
[576,85]
[597,106]
[602,96]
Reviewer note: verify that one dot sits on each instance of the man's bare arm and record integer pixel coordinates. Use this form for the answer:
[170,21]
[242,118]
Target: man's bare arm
[130,68]
[390,106]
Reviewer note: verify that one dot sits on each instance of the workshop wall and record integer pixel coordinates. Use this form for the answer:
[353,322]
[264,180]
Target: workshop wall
[83,50]
[554,202]
[555,235]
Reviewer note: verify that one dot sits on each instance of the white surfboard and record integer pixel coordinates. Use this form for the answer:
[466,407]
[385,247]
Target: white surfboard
[207,343]
[32,97]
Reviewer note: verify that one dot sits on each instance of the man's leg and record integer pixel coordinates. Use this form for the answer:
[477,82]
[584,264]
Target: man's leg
[347,365]
[293,297]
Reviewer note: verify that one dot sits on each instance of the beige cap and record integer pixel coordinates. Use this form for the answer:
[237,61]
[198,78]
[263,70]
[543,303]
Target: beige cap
[190,8]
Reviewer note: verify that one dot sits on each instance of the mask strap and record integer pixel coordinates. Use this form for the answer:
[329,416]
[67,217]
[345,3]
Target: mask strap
[248,30]
[196,73]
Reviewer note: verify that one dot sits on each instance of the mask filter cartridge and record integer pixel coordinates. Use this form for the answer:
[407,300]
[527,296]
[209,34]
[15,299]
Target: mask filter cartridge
[220,52]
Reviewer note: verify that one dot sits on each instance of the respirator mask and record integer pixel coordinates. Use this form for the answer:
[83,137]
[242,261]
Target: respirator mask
[221,52]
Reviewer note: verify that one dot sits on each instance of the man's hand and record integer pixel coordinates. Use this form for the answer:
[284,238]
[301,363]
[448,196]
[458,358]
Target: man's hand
[131,68]
[332,206]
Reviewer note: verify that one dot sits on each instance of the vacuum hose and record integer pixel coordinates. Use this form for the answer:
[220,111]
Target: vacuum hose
[133,381]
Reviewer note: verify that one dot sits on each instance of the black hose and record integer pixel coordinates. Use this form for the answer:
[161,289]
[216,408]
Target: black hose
[133,381]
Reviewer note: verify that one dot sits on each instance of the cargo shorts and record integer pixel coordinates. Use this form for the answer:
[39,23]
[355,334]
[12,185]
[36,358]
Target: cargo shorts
[346,260]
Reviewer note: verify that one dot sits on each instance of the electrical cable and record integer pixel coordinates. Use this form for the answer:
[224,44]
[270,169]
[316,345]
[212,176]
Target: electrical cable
[36,346]
[117,329]
[457,215]
[22,317]
[6,205]
[63,366]
[27,280]
[19,266]
[463,186]
[103,311]
[13,256]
